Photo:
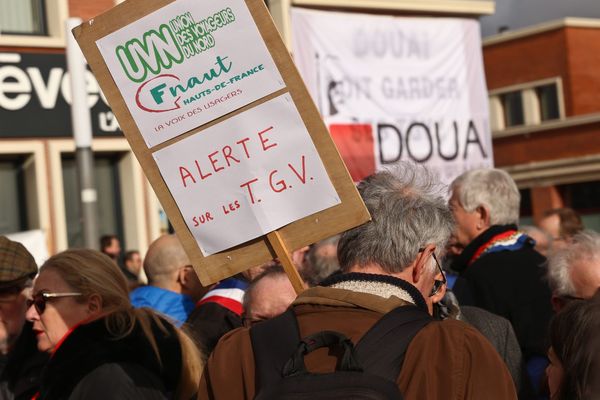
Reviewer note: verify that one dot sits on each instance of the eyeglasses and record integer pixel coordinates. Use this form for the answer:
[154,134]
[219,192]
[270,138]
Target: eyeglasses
[437,283]
[39,300]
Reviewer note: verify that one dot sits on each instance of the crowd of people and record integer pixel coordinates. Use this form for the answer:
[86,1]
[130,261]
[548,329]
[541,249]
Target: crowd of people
[439,296]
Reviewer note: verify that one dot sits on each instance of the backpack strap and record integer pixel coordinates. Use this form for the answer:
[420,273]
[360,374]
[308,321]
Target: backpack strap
[273,343]
[382,349]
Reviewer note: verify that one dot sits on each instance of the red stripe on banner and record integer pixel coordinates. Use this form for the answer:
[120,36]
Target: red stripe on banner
[232,305]
[356,146]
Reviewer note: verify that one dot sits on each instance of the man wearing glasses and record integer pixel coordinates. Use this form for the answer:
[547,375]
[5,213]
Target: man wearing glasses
[388,265]
[504,272]
[22,362]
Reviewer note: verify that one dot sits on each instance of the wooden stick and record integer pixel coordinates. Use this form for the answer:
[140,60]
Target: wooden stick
[284,257]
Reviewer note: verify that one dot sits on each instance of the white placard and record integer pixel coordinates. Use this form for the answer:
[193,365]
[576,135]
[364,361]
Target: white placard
[247,176]
[397,88]
[188,63]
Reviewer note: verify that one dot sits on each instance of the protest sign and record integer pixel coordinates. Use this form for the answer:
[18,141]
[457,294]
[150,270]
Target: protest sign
[243,164]
[397,88]
[183,65]
[246,176]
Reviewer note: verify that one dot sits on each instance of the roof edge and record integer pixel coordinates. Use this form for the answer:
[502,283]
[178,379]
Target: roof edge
[462,7]
[571,22]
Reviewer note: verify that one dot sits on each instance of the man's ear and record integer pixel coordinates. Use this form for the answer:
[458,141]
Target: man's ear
[483,221]
[181,276]
[94,304]
[421,262]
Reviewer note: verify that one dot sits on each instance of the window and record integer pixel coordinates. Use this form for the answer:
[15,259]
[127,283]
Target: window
[513,109]
[548,100]
[13,210]
[33,23]
[526,104]
[22,17]
[107,181]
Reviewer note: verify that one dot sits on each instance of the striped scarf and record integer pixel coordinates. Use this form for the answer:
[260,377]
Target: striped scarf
[228,293]
[510,240]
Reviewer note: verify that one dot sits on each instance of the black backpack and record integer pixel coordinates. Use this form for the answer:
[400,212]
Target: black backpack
[367,370]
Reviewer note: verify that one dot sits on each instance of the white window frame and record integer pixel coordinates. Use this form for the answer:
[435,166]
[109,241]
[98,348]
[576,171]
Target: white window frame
[531,103]
[57,12]
[140,219]
[38,208]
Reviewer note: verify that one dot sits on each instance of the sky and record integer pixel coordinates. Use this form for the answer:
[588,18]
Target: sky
[522,13]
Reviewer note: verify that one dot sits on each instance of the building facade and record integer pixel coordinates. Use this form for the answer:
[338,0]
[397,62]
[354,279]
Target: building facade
[37,152]
[543,84]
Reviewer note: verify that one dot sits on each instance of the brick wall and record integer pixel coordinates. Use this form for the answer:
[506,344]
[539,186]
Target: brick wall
[87,9]
[528,59]
[554,144]
[583,47]
[571,53]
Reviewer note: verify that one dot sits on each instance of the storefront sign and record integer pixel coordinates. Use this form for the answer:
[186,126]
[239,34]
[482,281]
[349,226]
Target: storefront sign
[35,98]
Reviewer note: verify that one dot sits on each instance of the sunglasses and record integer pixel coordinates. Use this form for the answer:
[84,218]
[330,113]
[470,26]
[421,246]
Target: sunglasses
[437,283]
[39,300]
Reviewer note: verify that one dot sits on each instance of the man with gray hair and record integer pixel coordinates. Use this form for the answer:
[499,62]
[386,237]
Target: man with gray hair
[173,286]
[574,271]
[504,272]
[389,267]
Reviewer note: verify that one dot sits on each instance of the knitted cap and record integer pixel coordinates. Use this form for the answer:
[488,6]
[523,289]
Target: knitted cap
[16,263]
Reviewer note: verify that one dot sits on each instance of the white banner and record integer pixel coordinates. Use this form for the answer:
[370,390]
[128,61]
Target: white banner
[188,63]
[247,176]
[397,88]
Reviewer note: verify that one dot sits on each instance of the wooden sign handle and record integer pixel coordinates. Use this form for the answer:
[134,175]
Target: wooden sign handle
[284,257]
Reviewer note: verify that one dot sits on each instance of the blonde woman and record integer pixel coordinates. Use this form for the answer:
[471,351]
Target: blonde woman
[103,348]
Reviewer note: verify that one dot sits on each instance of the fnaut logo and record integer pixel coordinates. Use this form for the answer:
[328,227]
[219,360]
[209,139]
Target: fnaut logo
[146,60]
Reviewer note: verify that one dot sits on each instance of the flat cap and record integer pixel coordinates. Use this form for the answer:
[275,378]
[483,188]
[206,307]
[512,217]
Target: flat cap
[16,263]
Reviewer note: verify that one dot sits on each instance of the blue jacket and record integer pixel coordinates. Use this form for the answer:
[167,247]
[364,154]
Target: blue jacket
[176,306]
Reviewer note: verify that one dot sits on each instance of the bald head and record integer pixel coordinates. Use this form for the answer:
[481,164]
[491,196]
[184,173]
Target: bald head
[574,271]
[164,258]
[268,296]
[585,276]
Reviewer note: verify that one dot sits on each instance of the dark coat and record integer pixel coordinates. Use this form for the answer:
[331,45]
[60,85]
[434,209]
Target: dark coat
[20,379]
[91,364]
[217,313]
[511,284]
[208,323]
[502,336]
